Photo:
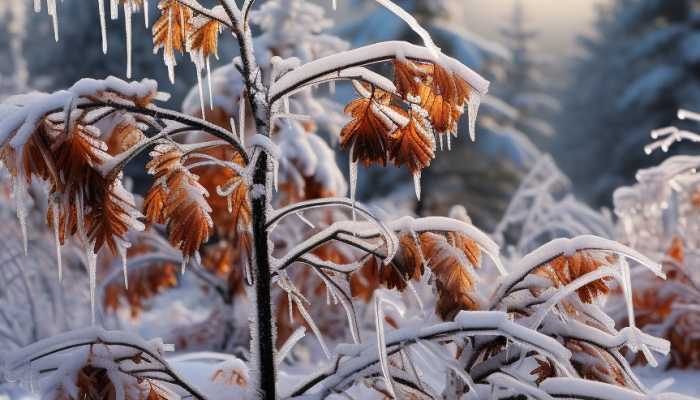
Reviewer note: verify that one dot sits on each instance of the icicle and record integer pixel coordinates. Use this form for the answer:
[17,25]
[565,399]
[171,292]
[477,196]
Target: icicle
[169,61]
[56,220]
[201,90]
[241,118]
[331,86]
[229,204]
[211,93]
[91,258]
[232,122]
[285,102]
[473,110]
[183,267]
[416,184]
[449,141]
[114,9]
[53,12]
[335,5]
[381,340]
[353,181]
[127,27]
[275,174]
[442,141]
[19,190]
[37,6]
[122,255]
[306,221]
[103,25]
[145,13]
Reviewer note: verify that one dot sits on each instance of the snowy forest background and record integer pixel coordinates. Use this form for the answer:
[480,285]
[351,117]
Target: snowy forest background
[564,149]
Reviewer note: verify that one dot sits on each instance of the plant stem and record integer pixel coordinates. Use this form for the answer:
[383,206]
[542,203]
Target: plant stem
[264,337]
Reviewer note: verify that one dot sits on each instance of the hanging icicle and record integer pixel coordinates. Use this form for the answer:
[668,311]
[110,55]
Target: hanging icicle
[353,181]
[145,14]
[56,220]
[211,92]
[123,255]
[53,12]
[198,71]
[473,110]
[103,24]
[128,8]
[416,184]
[91,259]
[114,9]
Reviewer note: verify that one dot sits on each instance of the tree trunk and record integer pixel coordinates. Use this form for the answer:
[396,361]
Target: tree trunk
[263,340]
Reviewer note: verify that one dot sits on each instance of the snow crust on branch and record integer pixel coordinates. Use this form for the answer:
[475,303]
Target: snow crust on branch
[373,54]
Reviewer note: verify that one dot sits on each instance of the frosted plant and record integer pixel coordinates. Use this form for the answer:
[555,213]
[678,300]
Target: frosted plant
[536,330]
[543,208]
[659,216]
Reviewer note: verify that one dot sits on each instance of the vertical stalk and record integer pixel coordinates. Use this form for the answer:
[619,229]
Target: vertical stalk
[263,341]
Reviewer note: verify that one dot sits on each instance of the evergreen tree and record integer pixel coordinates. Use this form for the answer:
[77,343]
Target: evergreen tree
[524,84]
[637,70]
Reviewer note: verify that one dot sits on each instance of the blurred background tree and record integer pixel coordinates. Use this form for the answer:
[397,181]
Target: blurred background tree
[634,73]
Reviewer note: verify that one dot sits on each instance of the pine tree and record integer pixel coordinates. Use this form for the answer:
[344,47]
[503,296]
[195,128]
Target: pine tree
[525,84]
[636,71]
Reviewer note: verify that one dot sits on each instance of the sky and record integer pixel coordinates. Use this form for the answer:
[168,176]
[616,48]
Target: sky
[559,21]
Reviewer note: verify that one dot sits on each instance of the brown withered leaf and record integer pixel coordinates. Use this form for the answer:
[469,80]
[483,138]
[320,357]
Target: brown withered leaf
[408,77]
[79,153]
[187,212]
[179,200]
[232,213]
[413,145]
[407,265]
[595,363]
[440,111]
[94,383]
[367,134]
[468,246]
[123,137]
[454,281]
[565,269]
[154,204]
[676,251]
[445,85]
[204,37]
[544,370]
[108,218]
[171,29]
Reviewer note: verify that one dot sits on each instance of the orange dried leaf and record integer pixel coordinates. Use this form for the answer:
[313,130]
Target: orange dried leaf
[413,146]
[454,279]
[204,37]
[367,134]
[171,29]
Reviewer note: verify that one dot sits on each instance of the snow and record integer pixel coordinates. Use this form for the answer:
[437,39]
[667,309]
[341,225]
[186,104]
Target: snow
[369,55]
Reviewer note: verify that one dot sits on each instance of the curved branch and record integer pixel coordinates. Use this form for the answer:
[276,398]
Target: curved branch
[162,113]
[368,55]
[281,213]
[200,9]
[466,324]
